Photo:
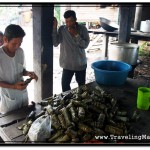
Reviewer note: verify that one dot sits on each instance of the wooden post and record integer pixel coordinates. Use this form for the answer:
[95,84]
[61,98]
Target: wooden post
[125,21]
[47,54]
[43,50]
[138,15]
[137,21]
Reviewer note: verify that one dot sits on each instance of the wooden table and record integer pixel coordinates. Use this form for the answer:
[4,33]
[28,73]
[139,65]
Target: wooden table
[126,95]
[10,122]
[134,35]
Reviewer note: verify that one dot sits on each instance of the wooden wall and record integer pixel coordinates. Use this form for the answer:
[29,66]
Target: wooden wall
[91,12]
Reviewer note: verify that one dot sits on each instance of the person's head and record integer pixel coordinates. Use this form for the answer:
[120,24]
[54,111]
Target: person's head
[1,38]
[70,18]
[13,37]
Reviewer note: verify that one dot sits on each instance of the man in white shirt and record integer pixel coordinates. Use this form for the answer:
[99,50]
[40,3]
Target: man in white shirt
[13,92]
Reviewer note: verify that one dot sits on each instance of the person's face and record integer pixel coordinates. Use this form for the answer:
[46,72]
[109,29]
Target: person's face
[1,40]
[70,22]
[13,44]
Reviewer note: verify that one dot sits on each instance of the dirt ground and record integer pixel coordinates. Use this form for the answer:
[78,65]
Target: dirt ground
[142,71]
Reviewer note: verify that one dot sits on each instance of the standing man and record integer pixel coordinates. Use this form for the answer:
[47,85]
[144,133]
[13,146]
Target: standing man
[73,39]
[13,92]
[1,38]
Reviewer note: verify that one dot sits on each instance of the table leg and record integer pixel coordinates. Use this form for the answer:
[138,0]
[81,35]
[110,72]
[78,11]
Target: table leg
[105,38]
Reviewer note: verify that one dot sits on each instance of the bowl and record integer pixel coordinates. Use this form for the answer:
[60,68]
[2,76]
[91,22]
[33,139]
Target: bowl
[108,25]
[110,72]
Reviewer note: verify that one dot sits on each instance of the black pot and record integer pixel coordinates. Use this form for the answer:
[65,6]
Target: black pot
[108,25]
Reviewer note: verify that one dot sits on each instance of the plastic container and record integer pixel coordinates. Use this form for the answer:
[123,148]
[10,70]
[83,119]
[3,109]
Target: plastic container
[110,72]
[145,26]
[143,99]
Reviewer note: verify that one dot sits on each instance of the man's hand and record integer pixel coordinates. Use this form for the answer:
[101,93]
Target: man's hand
[73,31]
[32,75]
[20,86]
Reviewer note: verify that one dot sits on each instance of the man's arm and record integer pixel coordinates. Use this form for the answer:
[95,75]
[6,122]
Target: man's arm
[17,86]
[56,34]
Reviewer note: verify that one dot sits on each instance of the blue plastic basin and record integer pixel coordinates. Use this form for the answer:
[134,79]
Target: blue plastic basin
[110,72]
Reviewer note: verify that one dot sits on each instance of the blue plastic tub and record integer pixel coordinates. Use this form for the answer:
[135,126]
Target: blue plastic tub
[110,72]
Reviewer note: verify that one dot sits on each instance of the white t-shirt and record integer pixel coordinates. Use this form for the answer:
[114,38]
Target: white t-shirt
[11,69]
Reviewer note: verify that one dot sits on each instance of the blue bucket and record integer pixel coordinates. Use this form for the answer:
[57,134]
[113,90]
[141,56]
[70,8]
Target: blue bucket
[110,72]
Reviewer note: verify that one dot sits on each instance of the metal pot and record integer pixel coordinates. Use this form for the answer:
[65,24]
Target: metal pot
[126,52]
